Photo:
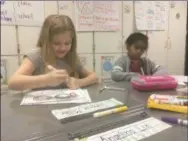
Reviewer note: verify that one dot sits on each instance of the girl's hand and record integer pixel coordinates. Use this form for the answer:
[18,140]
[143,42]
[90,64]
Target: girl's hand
[56,77]
[73,83]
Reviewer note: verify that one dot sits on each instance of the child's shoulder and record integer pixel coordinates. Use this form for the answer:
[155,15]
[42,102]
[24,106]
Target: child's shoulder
[34,54]
[123,57]
[35,50]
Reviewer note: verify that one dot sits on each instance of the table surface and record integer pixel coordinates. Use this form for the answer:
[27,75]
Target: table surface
[21,123]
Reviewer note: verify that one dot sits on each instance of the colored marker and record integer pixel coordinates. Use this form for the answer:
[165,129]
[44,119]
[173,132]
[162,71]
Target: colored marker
[159,97]
[166,97]
[111,111]
[175,121]
[174,102]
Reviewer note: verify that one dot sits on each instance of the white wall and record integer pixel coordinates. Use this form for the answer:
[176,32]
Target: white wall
[106,43]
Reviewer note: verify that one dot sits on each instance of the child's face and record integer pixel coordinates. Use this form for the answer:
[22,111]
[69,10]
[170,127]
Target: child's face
[136,50]
[61,43]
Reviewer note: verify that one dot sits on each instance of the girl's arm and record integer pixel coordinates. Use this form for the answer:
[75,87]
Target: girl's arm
[118,74]
[22,78]
[88,78]
[157,69]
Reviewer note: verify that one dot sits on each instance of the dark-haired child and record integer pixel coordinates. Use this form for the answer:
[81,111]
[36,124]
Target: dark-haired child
[133,64]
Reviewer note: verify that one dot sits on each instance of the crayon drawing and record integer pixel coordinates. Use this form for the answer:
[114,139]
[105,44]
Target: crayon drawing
[56,97]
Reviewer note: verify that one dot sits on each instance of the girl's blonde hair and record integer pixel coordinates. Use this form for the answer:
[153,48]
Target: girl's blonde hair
[53,25]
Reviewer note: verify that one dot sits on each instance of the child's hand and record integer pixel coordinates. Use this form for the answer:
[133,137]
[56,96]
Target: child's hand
[55,77]
[73,83]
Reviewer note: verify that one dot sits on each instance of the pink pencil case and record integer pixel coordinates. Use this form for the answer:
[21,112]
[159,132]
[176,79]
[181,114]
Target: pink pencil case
[150,83]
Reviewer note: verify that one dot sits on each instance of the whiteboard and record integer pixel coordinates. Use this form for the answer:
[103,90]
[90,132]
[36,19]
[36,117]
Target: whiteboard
[28,13]
[97,15]
[151,15]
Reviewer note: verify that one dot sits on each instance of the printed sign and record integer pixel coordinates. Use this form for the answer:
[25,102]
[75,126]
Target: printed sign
[132,132]
[86,108]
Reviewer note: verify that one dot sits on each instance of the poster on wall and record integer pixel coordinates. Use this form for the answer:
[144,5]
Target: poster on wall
[22,13]
[106,16]
[7,13]
[106,66]
[97,15]
[3,71]
[151,15]
[27,12]
[84,15]
[66,8]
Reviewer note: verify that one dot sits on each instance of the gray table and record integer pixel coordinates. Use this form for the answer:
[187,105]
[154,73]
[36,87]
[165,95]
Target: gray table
[21,123]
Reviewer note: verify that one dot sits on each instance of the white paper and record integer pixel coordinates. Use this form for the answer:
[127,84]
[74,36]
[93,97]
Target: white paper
[7,13]
[86,108]
[132,132]
[151,15]
[57,96]
[97,15]
[66,8]
[106,16]
[181,79]
[84,15]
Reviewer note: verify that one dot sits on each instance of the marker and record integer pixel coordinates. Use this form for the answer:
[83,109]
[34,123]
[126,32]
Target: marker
[114,88]
[175,121]
[174,102]
[111,111]
[182,97]
[167,97]
[159,97]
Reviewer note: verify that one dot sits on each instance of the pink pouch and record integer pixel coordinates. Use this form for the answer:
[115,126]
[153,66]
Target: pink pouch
[150,83]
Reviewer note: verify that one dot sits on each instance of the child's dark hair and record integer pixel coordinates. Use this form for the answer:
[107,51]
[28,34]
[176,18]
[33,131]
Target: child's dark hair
[137,37]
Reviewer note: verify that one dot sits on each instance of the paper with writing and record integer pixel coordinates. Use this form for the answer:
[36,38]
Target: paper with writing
[97,15]
[7,13]
[86,108]
[132,132]
[151,15]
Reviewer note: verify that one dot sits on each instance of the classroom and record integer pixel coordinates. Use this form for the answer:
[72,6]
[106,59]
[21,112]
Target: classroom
[94,70]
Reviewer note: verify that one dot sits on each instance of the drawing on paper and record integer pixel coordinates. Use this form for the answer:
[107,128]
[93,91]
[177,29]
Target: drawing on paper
[85,7]
[97,15]
[151,15]
[56,97]
[107,63]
